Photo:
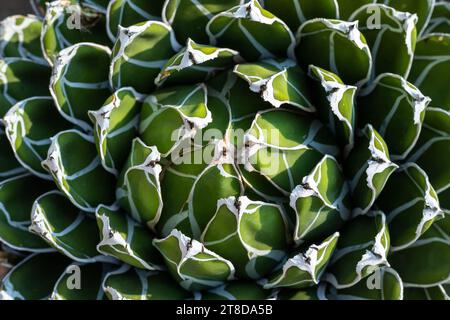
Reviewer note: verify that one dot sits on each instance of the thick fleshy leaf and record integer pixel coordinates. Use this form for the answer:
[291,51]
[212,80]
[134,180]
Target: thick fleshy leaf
[9,167]
[440,19]
[296,12]
[423,9]
[369,167]
[172,116]
[321,202]
[196,63]
[311,293]
[440,292]
[234,107]
[424,264]
[139,189]
[383,284]
[411,212]
[16,200]
[29,125]
[335,103]
[347,7]
[125,13]
[191,264]
[16,284]
[237,290]
[97,5]
[252,235]
[128,283]
[430,151]
[279,82]
[245,28]
[79,81]
[81,282]
[65,227]
[67,23]
[20,36]
[115,126]
[18,81]
[362,248]
[431,66]
[400,114]
[305,268]
[328,44]
[139,54]
[195,173]
[121,237]
[391,37]
[73,162]
[190,17]
[283,146]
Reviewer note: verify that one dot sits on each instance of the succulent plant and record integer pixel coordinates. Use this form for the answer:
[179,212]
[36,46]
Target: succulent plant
[244,149]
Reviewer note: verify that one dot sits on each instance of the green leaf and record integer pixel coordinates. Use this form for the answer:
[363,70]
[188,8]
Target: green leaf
[16,284]
[283,146]
[60,29]
[20,37]
[335,103]
[80,81]
[328,44]
[190,17]
[347,7]
[18,81]
[278,82]
[196,63]
[391,35]
[440,19]
[194,266]
[64,227]
[196,172]
[172,116]
[245,29]
[305,268]
[296,12]
[423,9]
[87,287]
[253,235]
[383,284]
[73,162]
[97,5]
[237,290]
[129,12]
[363,246]
[411,212]
[115,126]
[139,189]
[139,54]
[369,167]
[16,200]
[128,283]
[311,293]
[29,125]
[321,202]
[9,167]
[424,264]
[121,237]
[430,68]
[440,292]
[433,144]
[395,108]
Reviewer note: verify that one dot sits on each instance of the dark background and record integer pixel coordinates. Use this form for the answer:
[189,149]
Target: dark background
[10,7]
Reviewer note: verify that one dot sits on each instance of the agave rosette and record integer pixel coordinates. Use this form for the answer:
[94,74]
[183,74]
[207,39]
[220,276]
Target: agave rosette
[247,149]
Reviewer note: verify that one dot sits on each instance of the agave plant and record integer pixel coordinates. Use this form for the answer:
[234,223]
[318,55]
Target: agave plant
[241,149]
